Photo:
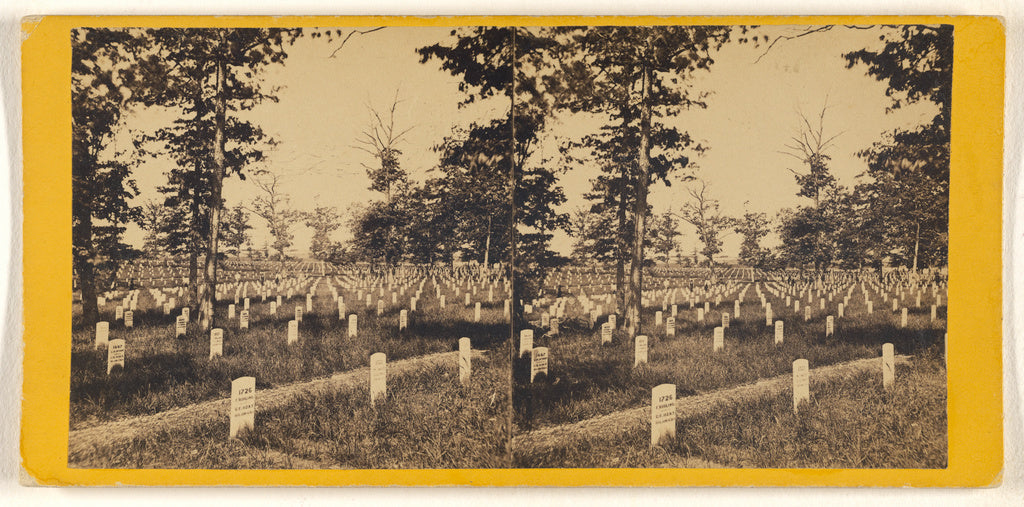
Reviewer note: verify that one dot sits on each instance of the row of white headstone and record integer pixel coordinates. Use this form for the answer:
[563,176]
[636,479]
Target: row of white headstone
[243,389]
[663,397]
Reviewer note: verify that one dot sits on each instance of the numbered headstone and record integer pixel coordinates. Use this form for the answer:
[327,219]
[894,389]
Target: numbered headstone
[465,360]
[293,331]
[180,324]
[243,319]
[888,366]
[801,383]
[525,341]
[243,405]
[115,354]
[606,333]
[778,332]
[663,413]
[129,318]
[216,342]
[538,362]
[378,377]
[118,312]
[670,326]
[725,320]
[639,350]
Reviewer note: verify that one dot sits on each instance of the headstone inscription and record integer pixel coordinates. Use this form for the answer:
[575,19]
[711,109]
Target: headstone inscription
[243,405]
[663,413]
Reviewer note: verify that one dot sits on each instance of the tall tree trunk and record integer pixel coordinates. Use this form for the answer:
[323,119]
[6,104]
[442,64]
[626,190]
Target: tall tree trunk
[917,245]
[487,244]
[622,247]
[194,234]
[210,263]
[85,256]
[640,206]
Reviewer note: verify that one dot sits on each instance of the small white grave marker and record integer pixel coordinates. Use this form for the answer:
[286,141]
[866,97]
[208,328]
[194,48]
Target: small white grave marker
[115,354]
[243,405]
[378,377]
[216,342]
[719,338]
[353,325]
[725,320]
[801,383]
[525,341]
[829,326]
[403,320]
[129,317]
[293,331]
[779,332]
[640,351]
[888,366]
[933,314]
[476,313]
[243,319]
[700,315]
[663,413]
[538,362]
[670,326]
[245,303]
[179,325]
[465,360]
[231,311]
[903,318]
[606,333]
[298,313]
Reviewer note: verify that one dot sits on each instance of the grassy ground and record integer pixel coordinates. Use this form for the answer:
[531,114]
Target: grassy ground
[850,423]
[587,379]
[164,372]
[429,420]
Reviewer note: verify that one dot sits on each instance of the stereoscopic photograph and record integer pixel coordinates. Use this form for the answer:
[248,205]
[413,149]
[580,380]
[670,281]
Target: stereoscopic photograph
[478,247]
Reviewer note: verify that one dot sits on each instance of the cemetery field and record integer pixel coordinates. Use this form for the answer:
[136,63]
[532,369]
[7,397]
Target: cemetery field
[586,379]
[428,420]
[851,422]
[163,371]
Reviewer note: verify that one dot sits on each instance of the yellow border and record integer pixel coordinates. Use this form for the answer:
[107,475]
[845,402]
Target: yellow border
[975,319]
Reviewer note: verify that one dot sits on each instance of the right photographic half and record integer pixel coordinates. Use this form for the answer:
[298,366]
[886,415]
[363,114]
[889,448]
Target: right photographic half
[731,246]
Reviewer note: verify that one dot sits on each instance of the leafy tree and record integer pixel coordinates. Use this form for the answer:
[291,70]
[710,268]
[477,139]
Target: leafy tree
[664,231]
[651,67]
[106,77]
[235,232]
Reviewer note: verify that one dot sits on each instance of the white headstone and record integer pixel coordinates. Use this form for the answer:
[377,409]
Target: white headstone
[216,342]
[933,314]
[663,413]
[779,332]
[525,341]
[719,338]
[657,318]
[871,308]
[245,303]
[538,362]
[888,366]
[309,303]
[725,320]
[231,311]
[115,354]
[118,312]
[829,326]
[903,318]
[465,360]
[403,320]
[640,350]
[700,315]
[179,324]
[736,308]
[842,308]
[476,312]
[298,313]
[273,308]
[129,317]
[670,326]
[243,405]
[293,331]
[353,325]
[378,377]
[606,333]
[243,319]
[801,383]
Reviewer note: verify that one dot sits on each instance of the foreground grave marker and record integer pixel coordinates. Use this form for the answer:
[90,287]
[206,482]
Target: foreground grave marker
[779,332]
[216,342]
[243,405]
[465,360]
[640,351]
[243,319]
[129,318]
[663,413]
[115,354]
[525,341]
[179,325]
[378,377]
[538,362]
[801,384]
[293,331]
[353,325]
[888,366]
[719,338]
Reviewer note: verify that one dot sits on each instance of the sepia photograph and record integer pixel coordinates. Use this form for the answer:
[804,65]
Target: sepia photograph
[290,249]
[494,247]
[744,263]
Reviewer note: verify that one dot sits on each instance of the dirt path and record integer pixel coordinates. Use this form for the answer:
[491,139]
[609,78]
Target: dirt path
[87,440]
[611,425]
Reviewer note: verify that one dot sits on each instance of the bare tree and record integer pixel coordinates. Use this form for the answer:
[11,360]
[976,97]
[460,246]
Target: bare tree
[703,212]
[809,146]
[274,208]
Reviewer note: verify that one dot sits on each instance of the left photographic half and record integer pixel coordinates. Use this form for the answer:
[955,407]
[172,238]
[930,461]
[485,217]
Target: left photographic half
[291,248]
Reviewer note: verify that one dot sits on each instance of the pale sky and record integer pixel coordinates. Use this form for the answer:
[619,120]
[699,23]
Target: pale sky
[750,116]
